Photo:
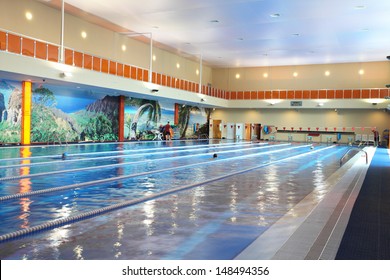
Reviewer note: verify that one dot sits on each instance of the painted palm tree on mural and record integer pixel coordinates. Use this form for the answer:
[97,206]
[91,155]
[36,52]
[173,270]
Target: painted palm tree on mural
[150,107]
[184,118]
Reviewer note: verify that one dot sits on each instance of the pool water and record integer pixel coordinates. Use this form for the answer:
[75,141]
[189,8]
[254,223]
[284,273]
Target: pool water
[218,206]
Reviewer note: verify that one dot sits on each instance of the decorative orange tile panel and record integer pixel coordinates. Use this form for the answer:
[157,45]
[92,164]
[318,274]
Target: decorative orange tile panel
[290,94]
[347,94]
[41,50]
[283,94]
[330,94]
[112,67]
[374,93]
[28,47]
[339,94]
[3,41]
[306,94]
[356,93]
[275,94]
[52,53]
[322,94]
[298,94]
[139,74]
[78,59]
[96,63]
[253,95]
[119,69]
[145,75]
[104,68]
[247,95]
[261,95]
[384,92]
[133,72]
[14,44]
[87,61]
[365,93]
[314,94]
[127,71]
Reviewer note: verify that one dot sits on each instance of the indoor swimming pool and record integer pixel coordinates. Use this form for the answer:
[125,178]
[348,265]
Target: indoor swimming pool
[153,200]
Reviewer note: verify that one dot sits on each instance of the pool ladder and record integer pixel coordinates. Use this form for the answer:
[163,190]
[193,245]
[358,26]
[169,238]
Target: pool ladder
[347,152]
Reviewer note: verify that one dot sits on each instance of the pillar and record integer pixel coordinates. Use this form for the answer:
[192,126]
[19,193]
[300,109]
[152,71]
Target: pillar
[26,113]
[121,122]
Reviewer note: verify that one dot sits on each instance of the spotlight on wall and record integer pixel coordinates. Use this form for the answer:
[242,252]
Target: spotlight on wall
[66,75]
[154,90]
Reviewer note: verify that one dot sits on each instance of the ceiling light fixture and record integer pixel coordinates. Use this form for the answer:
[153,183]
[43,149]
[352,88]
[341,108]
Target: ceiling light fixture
[29,15]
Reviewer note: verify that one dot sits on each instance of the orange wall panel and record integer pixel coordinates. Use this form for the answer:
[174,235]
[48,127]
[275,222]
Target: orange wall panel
[3,41]
[87,61]
[112,67]
[104,68]
[52,53]
[384,92]
[314,94]
[233,95]
[240,95]
[158,79]
[365,93]
[306,94]
[169,81]
[68,57]
[139,74]
[126,71]
[78,59]
[347,93]
[164,80]
[119,69]
[253,95]
[375,93]
[28,47]
[41,50]
[96,63]
[133,72]
[283,94]
[356,93]
[298,94]
[275,94]
[290,94]
[339,94]
[322,94]
[14,44]
[261,95]
[330,94]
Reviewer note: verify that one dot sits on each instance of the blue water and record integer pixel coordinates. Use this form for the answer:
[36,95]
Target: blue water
[213,220]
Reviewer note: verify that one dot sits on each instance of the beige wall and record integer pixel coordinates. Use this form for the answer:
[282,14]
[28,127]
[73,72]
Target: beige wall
[342,76]
[306,117]
[46,26]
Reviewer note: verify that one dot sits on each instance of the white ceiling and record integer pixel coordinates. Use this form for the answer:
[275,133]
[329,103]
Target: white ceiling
[243,33]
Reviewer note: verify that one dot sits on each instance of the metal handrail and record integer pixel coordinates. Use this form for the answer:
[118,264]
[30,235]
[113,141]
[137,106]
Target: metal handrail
[347,152]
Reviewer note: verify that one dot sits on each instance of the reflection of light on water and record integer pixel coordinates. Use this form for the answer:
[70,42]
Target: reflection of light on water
[78,252]
[149,210]
[174,212]
[320,187]
[233,202]
[118,244]
[197,197]
[25,186]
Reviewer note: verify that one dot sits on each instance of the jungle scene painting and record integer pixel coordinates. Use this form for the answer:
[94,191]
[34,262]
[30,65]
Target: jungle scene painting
[10,111]
[145,118]
[63,115]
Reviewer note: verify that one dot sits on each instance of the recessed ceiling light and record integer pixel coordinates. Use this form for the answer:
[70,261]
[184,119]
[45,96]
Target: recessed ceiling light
[295,74]
[154,57]
[327,73]
[276,15]
[29,15]
[265,75]
[123,47]
[177,65]
[361,72]
[237,76]
[84,34]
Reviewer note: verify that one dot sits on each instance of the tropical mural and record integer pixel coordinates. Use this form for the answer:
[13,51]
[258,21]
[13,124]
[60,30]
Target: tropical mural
[68,114]
[10,111]
[61,115]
